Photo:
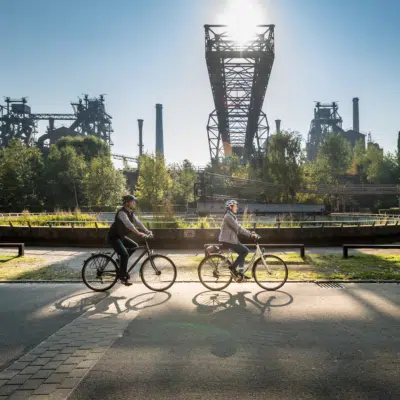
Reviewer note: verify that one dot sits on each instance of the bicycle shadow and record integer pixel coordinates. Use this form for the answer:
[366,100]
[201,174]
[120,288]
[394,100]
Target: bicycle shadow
[80,302]
[112,306]
[210,302]
[231,311]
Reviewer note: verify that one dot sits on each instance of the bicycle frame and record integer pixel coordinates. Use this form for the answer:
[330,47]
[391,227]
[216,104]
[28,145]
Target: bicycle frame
[258,253]
[146,250]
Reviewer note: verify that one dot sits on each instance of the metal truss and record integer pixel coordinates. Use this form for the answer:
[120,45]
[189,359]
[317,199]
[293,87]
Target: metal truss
[325,122]
[239,75]
[124,158]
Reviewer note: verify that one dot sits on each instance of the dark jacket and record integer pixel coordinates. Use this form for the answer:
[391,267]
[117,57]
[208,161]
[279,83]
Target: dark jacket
[231,229]
[118,230]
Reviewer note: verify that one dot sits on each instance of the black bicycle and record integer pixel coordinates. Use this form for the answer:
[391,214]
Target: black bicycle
[100,272]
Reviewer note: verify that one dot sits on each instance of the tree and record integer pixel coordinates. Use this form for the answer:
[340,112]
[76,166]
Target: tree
[21,176]
[88,146]
[333,160]
[183,177]
[154,182]
[103,184]
[283,161]
[65,171]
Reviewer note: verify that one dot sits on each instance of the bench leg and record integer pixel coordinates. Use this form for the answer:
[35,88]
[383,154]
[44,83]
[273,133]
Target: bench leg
[345,252]
[21,251]
[302,252]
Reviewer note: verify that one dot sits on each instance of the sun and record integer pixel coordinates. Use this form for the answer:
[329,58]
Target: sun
[242,17]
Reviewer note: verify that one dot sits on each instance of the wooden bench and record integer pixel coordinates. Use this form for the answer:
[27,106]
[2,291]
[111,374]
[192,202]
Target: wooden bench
[21,247]
[268,246]
[346,247]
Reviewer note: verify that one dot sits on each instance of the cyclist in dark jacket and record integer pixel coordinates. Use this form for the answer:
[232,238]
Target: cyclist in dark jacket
[124,223]
[230,230]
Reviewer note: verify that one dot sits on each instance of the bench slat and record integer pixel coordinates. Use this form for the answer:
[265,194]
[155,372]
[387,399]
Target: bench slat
[20,246]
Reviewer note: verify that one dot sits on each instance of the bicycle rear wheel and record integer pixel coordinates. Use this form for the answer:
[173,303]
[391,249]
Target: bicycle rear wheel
[158,273]
[273,274]
[100,272]
[214,272]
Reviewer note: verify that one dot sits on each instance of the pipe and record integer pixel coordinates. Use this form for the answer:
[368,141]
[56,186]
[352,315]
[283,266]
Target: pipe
[140,123]
[159,130]
[356,115]
[278,125]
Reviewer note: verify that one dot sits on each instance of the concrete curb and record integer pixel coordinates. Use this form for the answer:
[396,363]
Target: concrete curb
[397,281]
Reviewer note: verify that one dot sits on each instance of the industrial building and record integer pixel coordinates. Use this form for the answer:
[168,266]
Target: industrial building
[327,121]
[89,117]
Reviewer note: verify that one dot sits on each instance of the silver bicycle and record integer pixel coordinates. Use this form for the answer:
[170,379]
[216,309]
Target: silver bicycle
[269,271]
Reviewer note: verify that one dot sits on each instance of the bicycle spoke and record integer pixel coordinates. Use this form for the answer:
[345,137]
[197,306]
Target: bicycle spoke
[99,273]
[214,272]
[158,273]
[272,273]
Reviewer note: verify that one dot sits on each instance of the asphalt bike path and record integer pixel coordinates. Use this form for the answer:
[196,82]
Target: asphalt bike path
[303,341]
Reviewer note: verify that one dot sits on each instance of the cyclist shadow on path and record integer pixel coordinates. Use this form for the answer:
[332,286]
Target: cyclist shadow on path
[227,311]
[108,305]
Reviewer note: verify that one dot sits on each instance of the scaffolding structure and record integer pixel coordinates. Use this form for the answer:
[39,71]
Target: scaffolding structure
[89,117]
[239,74]
[326,121]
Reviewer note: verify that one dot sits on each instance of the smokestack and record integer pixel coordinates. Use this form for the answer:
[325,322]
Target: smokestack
[159,130]
[278,125]
[140,123]
[356,115]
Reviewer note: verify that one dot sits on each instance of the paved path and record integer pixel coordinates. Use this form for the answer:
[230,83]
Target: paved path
[303,342]
[32,312]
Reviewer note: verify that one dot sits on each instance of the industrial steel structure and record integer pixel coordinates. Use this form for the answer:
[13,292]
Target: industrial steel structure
[89,118]
[159,130]
[327,121]
[239,75]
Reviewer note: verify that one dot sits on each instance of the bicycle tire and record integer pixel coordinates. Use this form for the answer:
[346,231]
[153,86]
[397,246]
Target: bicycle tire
[146,262]
[107,259]
[281,282]
[200,269]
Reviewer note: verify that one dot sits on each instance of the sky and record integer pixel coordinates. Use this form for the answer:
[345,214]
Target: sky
[143,52]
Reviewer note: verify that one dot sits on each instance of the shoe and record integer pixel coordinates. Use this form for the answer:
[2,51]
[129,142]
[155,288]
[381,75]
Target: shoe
[126,282]
[233,270]
[242,278]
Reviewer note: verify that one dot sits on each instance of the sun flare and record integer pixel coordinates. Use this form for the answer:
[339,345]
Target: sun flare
[242,16]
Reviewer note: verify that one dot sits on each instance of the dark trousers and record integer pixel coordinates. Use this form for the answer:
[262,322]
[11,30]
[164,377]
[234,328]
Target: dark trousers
[125,248]
[242,252]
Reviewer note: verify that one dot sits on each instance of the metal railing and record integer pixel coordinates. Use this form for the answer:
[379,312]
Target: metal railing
[208,224]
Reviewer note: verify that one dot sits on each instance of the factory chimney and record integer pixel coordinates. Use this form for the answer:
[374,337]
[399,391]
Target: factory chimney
[356,115]
[140,123]
[159,130]
[278,125]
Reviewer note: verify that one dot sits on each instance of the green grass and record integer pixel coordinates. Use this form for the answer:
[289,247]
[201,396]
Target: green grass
[313,267]
[330,266]
[30,268]
[57,219]
[360,266]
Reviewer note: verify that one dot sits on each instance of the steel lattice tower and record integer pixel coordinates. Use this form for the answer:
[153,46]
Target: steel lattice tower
[239,75]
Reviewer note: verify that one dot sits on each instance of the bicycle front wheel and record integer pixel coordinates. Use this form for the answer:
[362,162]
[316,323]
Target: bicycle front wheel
[100,272]
[214,272]
[158,273]
[273,274]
